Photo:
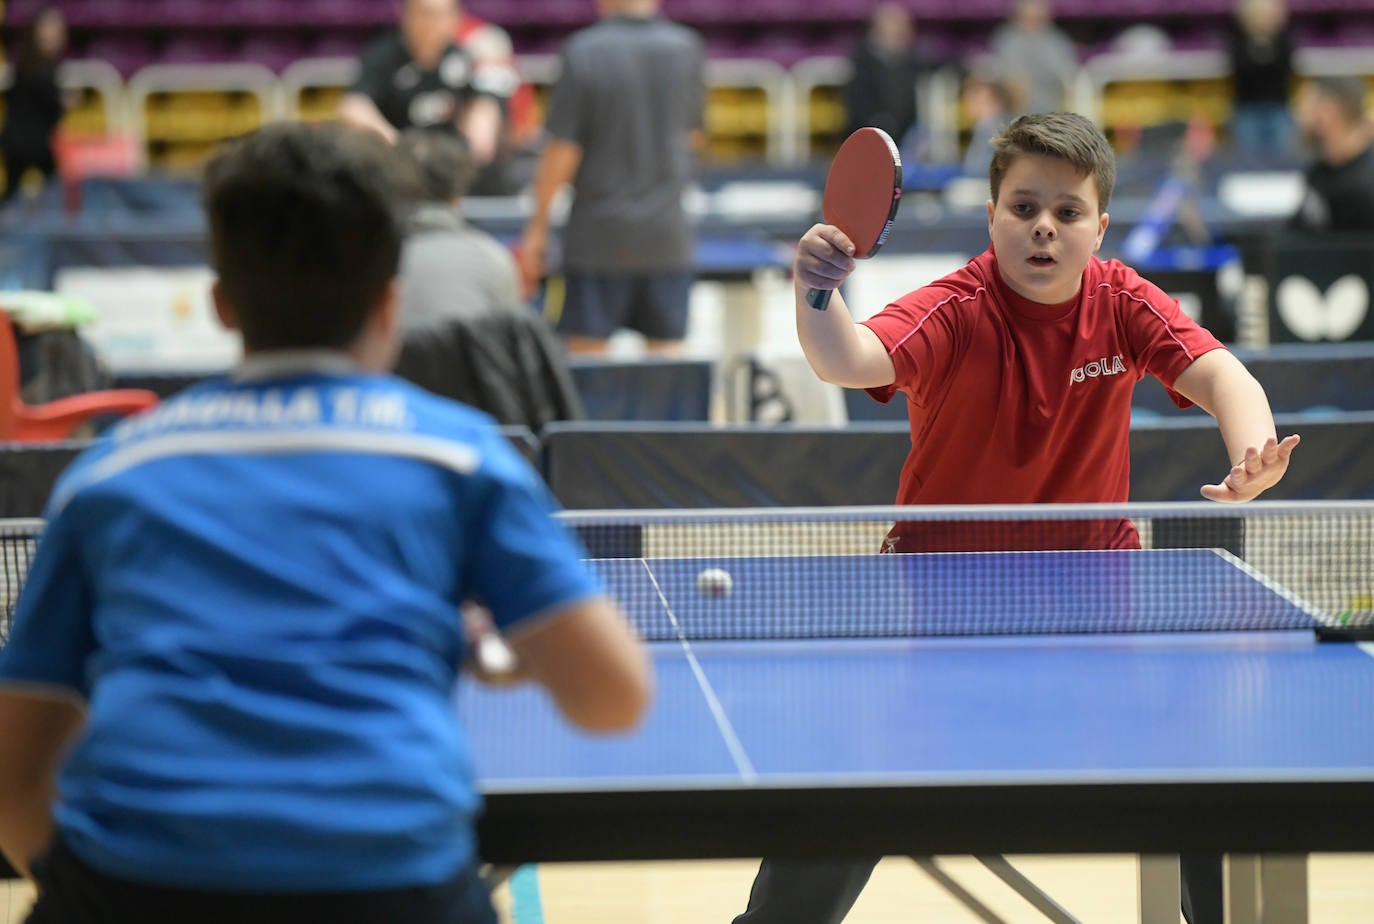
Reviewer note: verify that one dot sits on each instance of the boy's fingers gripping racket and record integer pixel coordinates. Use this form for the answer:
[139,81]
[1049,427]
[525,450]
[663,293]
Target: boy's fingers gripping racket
[862,191]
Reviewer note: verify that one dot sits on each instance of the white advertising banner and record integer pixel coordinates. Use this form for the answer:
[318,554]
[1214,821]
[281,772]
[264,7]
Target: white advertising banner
[152,319]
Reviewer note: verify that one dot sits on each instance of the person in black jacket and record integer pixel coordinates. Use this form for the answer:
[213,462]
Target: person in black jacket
[467,333]
[882,91]
[33,102]
[1340,181]
[1261,51]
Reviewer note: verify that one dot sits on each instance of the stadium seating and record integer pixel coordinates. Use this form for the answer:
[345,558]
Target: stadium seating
[133,34]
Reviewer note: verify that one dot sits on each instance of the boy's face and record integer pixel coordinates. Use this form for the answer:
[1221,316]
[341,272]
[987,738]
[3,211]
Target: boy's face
[1045,226]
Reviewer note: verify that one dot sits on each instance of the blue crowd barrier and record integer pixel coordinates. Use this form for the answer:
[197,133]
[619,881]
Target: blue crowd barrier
[591,466]
[649,389]
[609,465]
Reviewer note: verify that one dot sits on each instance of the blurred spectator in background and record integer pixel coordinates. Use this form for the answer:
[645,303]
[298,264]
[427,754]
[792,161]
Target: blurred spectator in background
[1340,183]
[33,103]
[1034,57]
[625,115]
[882,90]
[988,105]
[467,334]
[417,77]
[1261,51]
[490,48]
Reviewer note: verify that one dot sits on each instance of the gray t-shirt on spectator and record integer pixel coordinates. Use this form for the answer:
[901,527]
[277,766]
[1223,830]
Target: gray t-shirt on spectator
[1041,64]
[630,93]
[453,271]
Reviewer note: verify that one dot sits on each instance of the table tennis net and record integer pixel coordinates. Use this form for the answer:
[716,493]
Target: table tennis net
[965,571]
[819,573]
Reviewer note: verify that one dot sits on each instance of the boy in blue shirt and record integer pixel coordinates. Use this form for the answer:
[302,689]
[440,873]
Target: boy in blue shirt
[227,694]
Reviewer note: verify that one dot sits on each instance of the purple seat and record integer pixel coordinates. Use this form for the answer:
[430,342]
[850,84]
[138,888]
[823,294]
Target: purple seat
[273,51]
[22,11]
[252,13]
[125,52]
[785,50]
[180,13]
[193,48]
[339,45]
[97,14]
[356,13]
[500,11]
[564,12]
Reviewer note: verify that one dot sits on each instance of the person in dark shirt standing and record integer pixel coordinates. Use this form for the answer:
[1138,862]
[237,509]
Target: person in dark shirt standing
[626,114]
[882,91]
[1340,183]
[33,103]
[1261,52]
[416,77]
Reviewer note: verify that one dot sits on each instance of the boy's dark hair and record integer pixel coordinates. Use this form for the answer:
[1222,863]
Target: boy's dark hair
[1347,93]
[1065,135]
[306,223]
[442,161]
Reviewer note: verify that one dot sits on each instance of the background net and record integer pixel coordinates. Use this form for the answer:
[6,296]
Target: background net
[986,570]
[785,573]
[17,538]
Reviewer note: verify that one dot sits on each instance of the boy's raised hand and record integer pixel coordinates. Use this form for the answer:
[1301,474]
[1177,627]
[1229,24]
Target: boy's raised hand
[1260,470]
[825,258]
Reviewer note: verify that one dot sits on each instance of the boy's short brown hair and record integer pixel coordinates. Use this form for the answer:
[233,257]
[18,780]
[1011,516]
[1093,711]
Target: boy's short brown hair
[306,223]
[1065,135]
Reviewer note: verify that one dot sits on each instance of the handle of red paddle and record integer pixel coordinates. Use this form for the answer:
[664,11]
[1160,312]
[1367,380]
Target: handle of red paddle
[819,298]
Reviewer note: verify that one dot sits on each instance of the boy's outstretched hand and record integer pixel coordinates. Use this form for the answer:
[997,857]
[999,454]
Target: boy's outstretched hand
[824,258]
[1260,470]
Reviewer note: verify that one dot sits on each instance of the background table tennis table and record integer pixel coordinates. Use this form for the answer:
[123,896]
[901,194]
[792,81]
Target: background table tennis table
[1156,743]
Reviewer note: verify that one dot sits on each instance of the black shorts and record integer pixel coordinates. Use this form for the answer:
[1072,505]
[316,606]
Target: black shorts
[70,892]
[599,304]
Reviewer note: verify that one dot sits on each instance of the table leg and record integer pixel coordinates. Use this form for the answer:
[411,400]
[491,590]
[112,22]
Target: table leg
[1242,889]
[1018,883]
[1160,895]
[1283,888]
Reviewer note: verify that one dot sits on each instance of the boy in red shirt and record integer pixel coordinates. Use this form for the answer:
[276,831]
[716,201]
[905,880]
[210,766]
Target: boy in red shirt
[1018,371]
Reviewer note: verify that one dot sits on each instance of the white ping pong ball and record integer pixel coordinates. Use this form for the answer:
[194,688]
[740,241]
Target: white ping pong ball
[714,582]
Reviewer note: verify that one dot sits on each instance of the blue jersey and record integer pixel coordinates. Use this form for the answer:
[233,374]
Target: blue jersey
[255,589]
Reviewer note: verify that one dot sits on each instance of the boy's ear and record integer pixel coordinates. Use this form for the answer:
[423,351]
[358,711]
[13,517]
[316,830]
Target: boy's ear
[1101,230]
[224,310]
[388,309]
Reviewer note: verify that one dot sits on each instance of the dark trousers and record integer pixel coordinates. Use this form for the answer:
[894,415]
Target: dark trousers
[823,891]
[805,891]
[70,892]
[15,165]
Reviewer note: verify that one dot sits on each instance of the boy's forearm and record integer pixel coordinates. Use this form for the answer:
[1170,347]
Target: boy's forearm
[360,111]
[26,824]
[828,338]
[1230,394]
[558,165]
[35,732]
[1243,417]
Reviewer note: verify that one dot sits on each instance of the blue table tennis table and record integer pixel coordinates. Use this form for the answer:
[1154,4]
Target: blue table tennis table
[1092,736]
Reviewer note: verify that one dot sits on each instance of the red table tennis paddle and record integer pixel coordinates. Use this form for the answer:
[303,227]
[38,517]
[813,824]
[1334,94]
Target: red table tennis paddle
[862,191]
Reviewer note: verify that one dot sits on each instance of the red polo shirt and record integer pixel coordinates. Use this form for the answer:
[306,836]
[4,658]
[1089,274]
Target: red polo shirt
[1016,402]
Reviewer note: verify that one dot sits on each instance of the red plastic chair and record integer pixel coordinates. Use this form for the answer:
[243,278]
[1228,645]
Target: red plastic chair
[57,419]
